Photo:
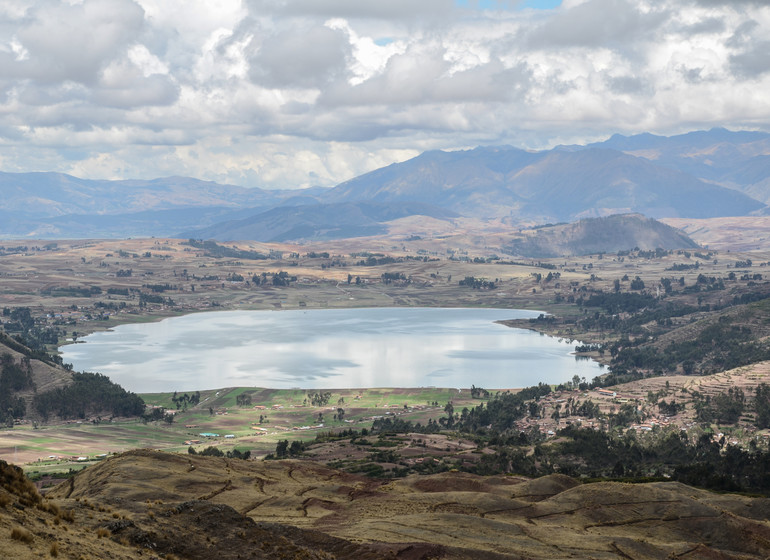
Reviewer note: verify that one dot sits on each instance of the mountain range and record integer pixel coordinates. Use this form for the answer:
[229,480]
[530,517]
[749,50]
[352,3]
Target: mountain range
[320,221]
[701,174]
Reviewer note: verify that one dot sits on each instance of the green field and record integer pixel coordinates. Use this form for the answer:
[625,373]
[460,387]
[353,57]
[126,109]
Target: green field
[286,414]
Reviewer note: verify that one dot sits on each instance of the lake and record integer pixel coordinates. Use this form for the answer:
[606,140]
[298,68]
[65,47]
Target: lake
[334,348]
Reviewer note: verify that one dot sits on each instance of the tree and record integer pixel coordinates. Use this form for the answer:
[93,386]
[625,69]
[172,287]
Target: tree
[479,393]
[555,414]
[89,393]
[340,414]
[534,409]
[727,407]
[319,399]
[762,406]
[296,448]
[235,454]
[281,448]
[450,410]
[212,451]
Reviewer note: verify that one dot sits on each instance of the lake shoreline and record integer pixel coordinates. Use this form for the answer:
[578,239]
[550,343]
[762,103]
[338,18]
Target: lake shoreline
[374,345]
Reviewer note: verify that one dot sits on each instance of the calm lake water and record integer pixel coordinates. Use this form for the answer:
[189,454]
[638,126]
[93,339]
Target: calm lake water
[345,348]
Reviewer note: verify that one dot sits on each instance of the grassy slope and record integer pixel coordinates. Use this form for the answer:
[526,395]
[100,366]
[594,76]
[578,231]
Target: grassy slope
[469,516]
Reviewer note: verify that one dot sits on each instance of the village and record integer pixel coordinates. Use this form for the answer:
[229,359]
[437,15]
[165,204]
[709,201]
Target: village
[219,421]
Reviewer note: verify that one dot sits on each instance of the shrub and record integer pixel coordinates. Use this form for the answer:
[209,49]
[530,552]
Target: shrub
[67,515]
[21,534]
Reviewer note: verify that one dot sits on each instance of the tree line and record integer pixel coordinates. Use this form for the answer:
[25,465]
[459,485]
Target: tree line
[89,394]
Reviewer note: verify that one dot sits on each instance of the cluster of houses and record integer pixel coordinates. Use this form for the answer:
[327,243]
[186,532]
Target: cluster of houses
[548,423]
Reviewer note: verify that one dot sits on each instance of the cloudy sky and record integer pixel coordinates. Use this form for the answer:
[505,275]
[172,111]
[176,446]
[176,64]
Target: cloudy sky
[295,93]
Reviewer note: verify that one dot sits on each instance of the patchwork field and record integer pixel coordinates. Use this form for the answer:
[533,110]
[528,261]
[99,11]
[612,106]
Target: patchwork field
[285,414]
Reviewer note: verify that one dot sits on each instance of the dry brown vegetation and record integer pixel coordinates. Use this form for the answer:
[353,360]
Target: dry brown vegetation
[34,527]
[744,233]
[286,509]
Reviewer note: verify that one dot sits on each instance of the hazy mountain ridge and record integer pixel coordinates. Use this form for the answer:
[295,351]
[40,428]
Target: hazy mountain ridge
[701,174]
[559,185]
[739,160]
[58,194]
[56,205]
[472,183]
[318,221]
[136,224]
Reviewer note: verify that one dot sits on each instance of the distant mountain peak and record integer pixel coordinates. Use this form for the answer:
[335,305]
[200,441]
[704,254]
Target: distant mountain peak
[699,174]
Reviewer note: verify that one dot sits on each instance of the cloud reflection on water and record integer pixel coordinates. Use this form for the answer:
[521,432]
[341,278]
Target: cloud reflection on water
[390,347]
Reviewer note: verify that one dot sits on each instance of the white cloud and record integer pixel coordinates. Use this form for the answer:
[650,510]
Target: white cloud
[393,9]
[147,62]
[287,93]
[124,85]
[307,58]
[74,42]
[599,23]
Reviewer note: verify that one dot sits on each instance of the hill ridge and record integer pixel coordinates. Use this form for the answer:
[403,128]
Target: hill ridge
[449,515]
[608,234]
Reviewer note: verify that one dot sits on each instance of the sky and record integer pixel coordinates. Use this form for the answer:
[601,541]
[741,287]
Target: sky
[298,93]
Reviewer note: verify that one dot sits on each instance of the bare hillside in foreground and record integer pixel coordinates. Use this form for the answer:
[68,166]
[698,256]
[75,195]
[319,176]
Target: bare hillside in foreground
[200,507]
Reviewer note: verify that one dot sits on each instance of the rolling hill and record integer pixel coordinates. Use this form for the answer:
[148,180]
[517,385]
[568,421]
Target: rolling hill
[202,507]
[599,235]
